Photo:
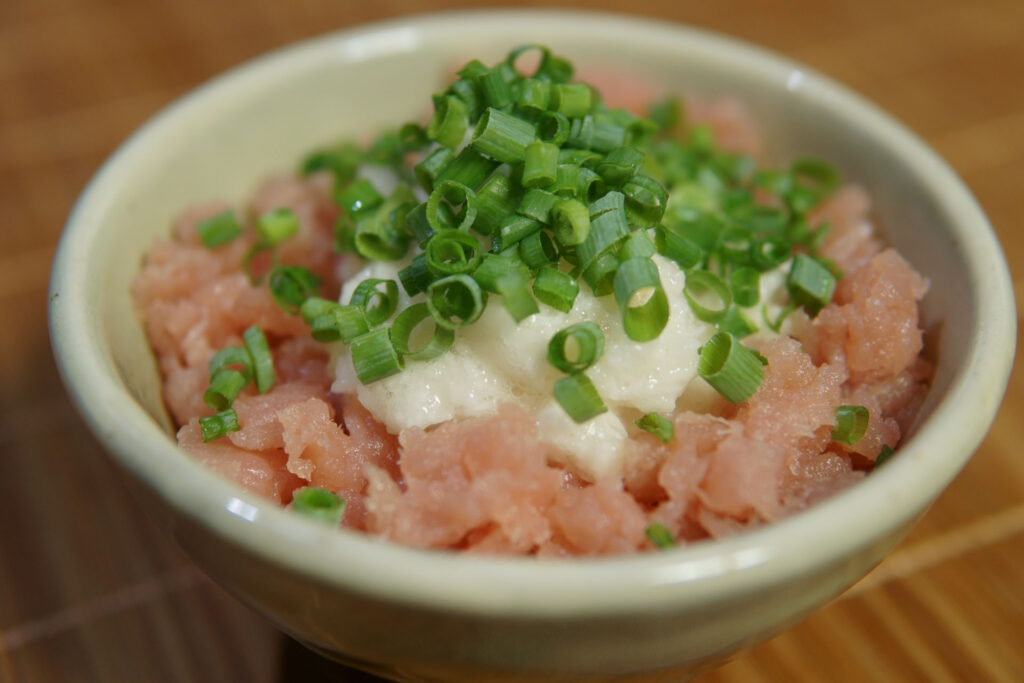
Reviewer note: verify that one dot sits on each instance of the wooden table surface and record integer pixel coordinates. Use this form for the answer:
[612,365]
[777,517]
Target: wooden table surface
[90,589]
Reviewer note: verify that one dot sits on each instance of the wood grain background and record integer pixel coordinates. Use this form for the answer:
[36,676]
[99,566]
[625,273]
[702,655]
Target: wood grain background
[90,590]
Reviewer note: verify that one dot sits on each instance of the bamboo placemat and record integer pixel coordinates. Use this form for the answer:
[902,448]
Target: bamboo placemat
[90,590]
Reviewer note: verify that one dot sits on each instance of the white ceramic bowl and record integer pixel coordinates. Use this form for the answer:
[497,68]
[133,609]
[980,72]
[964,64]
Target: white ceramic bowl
[431,615]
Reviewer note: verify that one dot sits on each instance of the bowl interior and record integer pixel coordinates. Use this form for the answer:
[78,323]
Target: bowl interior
[256,121]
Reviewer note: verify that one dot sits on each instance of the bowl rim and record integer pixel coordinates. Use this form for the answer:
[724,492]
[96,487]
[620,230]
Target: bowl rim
[696,574]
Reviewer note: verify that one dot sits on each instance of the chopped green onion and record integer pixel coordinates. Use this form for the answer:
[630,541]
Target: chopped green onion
[455,301]
[220,229]
[534,94]
[342,161]
[291,285]
[448,125]
[406,324]
[659,535]
[224,387]
[637,245]
[554,128]
[359,198]
[540,165]
[320,504]
[493,267]
[495,200]
[572,99]
[589,185]
[514,229]
[277,225]
[470,167]
[770,252]
[686,253]
[734,245]
[709,297]
[556,289]
[620,165]
[537,204]
[579,398]
[538,250]
[454,194]
[234,357]
[503,136]
[567,180]
[217,425]
[570,221]
[428,170]
[745,284]
[735,371]
[383,234]
[495,88]
[736,323]
[810,284]
[607,230]
[666,113]
[657,425]
[515,294]
[645,201]
[600,274]
[339,323]
[416,277]
[576,348]
[851,424]
[374,356]
[884,455]
[262,360]
[641,299]
[452,252]
[377,303]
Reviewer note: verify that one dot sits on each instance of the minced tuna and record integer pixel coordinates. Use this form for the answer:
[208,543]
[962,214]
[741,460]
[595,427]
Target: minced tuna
[493,483]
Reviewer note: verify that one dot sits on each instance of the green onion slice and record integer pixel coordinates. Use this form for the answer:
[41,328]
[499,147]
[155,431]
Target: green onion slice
[262,360]
[577,347]
[320,504]
[579,398]
[502,136]
[641,299]
[455,301]
[448,125]
[234,357]
[452,252]
[556,289]
[540,166]
[291,285]
[224,387]
[378,298]
[570,221]
[708,295]
[220,229]
[339,323]
[745,284]
[735,371]
[374,356]
[851,424]
[810,284]
[277,225]
[657,425]
[359,198]
[515,294]
[406,328]
[659,535]
[455,194]
[217,425]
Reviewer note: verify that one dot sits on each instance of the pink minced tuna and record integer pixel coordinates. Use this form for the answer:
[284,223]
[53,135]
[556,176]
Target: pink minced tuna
[488,484]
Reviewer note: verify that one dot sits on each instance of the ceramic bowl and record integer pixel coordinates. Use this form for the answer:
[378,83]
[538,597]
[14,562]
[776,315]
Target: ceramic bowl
[422,615]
